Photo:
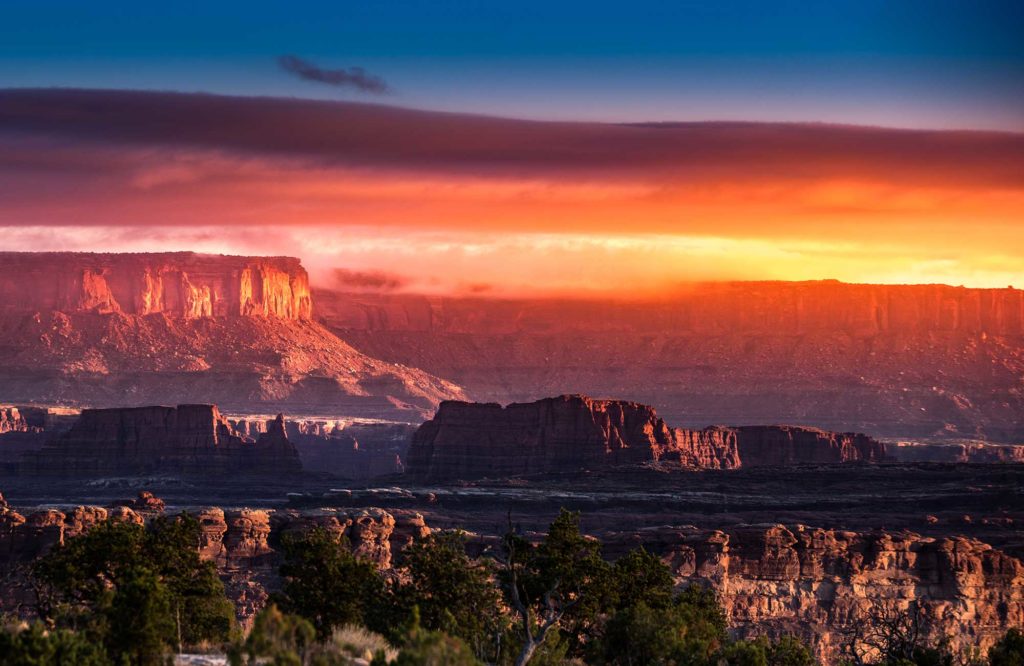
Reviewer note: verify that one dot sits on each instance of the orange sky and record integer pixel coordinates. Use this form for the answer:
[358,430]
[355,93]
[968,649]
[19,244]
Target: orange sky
[446,203]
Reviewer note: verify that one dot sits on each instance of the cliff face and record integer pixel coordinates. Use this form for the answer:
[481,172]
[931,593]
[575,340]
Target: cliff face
[112,330]
[574,432]
[824,585]
[239,541]
[893,360]
[180,284]
[188,439]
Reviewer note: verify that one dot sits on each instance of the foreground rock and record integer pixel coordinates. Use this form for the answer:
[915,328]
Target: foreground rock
[573,432]
[820,584]
[241,542]
[823,585]
[893,360]
[188,440]
[133,329]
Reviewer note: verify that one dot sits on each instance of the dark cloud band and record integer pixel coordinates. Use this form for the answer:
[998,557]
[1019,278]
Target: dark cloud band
[352,77]
[359,134]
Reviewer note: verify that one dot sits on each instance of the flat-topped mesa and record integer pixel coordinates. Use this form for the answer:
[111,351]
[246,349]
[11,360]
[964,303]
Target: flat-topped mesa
[187,439]
[179,284]
[574,432]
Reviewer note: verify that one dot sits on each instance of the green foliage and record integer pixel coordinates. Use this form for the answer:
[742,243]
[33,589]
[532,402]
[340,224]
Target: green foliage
[742,653]
[140,591]
[565,572]
[452,593]
[1009,651]
[276,638]
[788,651]
[325,583]
[681,633]
[431,648]
[35,646]
[639,577]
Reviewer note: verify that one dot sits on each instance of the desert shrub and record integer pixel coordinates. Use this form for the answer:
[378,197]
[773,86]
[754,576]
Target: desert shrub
[34,645]
[326,583]
[139,591]
[1009,651]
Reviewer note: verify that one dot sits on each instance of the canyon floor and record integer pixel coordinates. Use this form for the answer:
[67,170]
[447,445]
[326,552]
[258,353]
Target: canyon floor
[932,499]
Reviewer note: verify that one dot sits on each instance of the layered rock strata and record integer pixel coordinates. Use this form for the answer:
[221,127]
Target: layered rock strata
[241,542]
[112,330]
[897,361]
[573,432]
[180,284]
[188,439]
[825,585]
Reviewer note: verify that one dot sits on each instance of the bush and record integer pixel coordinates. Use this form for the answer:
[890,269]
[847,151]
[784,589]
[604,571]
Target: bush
[1009,651]
[140,591]
[35,646]
[325,583]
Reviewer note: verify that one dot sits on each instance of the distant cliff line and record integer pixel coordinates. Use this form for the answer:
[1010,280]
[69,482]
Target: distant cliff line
[179,284]
[776,307]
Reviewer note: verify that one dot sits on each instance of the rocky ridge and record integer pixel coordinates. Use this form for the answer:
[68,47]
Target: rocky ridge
[820,584]
[893,360]
[113,330]
[574,432]
[187,439]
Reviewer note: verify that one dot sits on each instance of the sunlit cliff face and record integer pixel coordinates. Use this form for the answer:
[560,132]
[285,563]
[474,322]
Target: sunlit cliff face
[418,201]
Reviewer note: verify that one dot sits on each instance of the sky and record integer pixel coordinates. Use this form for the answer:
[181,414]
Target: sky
[509,148]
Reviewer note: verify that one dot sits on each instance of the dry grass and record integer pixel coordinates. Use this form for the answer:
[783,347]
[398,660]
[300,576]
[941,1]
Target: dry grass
[359,642]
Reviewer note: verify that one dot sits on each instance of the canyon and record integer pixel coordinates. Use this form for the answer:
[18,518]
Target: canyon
[899,361]
[819,584]
[114,330]
[575,432]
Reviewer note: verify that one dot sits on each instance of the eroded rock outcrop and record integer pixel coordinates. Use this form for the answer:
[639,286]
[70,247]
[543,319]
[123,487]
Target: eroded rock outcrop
[823,584]
[893,360]
[111,330]
[180,284]
[188,439]
[243,543]
[573,432]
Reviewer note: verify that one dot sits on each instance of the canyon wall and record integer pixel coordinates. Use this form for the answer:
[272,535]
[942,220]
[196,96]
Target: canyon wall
[574,432]
[922,361]
[188,439]
[180,284]
[113,330]
[819,584]
[825,585]
[241,542]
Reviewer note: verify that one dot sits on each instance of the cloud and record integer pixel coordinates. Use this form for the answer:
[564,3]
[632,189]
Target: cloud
[352,77]
[347,279]
[368,135]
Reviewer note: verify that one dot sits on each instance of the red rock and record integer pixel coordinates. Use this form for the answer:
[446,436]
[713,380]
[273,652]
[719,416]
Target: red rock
[892,360]
[188,439]
[573,432]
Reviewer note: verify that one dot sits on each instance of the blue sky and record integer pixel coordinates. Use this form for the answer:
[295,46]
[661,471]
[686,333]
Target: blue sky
[907,64]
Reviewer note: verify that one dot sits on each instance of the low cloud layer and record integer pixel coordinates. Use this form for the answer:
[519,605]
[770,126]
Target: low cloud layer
[351,77]
[512,204]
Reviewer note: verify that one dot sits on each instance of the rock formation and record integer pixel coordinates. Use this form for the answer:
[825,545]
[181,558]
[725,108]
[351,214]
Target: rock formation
[112,330]
[180,284]
[574,432]
[819,584]
[823,584]
[893,360]
[188,439]
[241,542]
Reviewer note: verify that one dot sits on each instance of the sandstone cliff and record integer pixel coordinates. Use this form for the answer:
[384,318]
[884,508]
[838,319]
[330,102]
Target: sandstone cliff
[112,330]
[188,439]
[893,360]
[180,284]
[574,432]
[241,542]
[824,584]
